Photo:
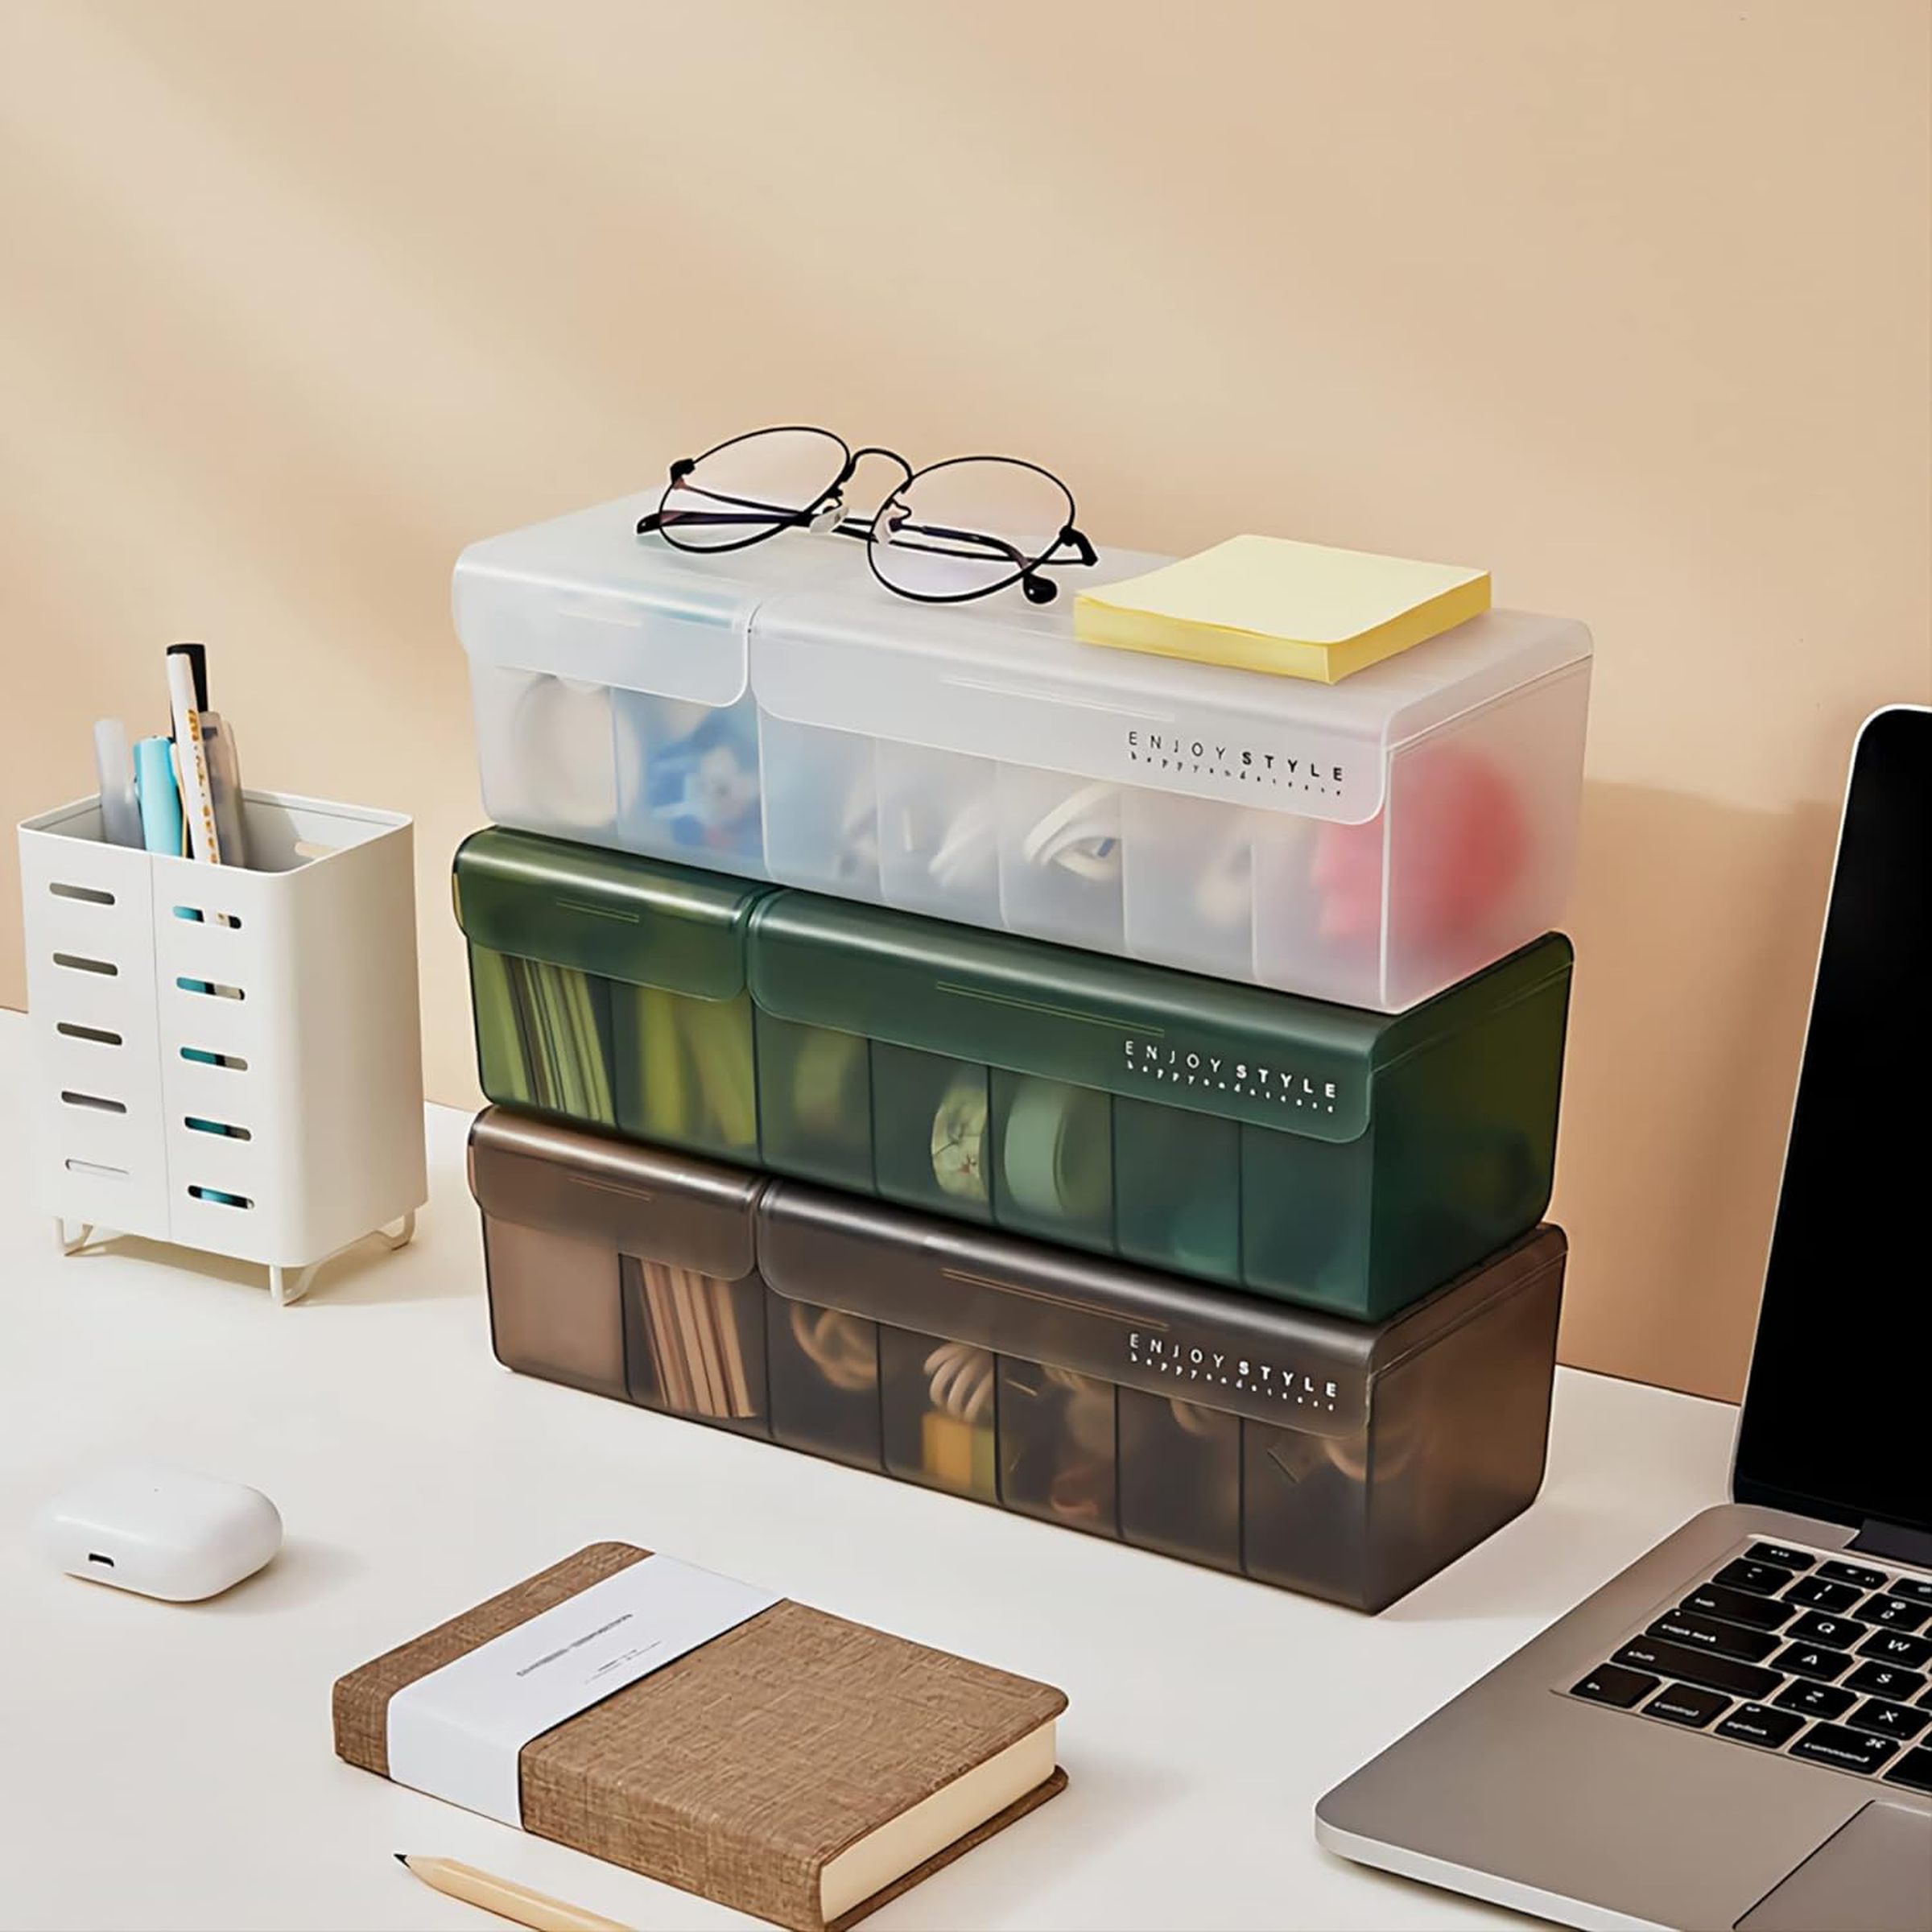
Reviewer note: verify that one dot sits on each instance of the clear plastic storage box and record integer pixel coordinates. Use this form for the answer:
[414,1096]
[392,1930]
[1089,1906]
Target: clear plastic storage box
[1346,1460]
[775,713]
[1347,1160]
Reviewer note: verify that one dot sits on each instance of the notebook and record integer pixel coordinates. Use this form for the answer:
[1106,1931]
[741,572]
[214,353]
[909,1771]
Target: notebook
[793,1765]
[1297,610]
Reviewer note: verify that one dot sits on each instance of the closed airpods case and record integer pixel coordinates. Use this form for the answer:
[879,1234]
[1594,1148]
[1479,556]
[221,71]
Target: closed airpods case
[1339,1159]
[160,1531]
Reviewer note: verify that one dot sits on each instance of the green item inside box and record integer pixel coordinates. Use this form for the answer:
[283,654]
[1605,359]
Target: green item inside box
[1338,1158]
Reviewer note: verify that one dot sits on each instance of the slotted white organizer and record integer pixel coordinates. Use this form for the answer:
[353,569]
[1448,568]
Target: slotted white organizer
[228,1058]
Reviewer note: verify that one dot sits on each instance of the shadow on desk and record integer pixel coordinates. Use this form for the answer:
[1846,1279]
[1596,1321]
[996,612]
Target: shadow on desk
[304,1572]
[366,1272]
[1575,1557]
[1104,1803]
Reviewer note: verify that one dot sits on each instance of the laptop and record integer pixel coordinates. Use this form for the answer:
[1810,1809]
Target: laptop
[1737,1731]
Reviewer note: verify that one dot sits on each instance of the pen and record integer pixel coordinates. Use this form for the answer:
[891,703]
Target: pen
[197,795]
[115,766]
[218,756]
[158,796]
[517,1903]
[197,660]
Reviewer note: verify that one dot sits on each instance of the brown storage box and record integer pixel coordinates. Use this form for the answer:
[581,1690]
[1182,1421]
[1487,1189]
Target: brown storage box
[1350,1460]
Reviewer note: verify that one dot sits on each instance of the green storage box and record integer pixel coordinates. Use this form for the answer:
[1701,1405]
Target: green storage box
[1341,1159]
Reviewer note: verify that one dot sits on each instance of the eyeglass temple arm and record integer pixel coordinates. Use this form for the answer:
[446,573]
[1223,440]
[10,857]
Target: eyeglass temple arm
[861,529]
[1084,551]
[658,519]
[760,513]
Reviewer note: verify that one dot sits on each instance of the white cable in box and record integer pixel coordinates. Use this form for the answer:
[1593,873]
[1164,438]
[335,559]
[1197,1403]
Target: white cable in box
[224,1057]
[775,714]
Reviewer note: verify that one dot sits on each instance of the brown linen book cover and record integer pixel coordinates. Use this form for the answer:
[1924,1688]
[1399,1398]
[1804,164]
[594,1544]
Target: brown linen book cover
[667,1778]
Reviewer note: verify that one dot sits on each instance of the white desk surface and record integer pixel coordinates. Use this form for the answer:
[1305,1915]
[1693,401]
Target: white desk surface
[165,1765]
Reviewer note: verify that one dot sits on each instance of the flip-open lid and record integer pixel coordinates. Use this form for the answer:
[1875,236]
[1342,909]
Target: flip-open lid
[663,1206]
[1295,1367]
[583,596]
[1268,1058]
[643,921]
[1242,1053]
[802,622]
[1003,679]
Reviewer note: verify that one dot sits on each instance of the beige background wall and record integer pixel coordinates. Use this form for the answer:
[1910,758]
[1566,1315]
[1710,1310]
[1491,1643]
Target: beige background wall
[1629,301]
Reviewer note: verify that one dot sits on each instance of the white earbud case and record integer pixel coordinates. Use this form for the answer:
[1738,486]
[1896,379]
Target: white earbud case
[160,1531]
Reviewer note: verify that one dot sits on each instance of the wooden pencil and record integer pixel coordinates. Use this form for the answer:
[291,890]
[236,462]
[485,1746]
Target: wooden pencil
[517,1903]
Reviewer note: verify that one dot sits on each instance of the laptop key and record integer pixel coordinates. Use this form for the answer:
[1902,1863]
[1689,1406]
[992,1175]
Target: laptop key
[1889,1720]
[1895,1647]
[1612,1684]
[1708,1633]
[1849,1750]
[1781,1553]
[1760,1580]
[1759,1724]
[1685,1704]
[1814,1700]
[1918,1589]
[1818,1593]
[1858,1574]
[1739,1607]
[1893,1612]
[1836,1633]
[1913,1771]
[1886,1680]
[1813,1660]
[1724,1674]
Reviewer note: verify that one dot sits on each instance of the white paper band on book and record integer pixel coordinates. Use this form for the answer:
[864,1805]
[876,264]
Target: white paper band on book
[457,1733]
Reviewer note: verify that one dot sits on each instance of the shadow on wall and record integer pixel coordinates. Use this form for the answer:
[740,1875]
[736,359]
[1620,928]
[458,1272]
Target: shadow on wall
[1697,927]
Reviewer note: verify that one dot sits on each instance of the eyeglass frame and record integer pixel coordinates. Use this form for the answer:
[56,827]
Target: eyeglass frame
[774,519]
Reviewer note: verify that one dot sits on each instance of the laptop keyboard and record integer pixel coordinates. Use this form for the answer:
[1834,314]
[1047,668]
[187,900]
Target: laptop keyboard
[1823,1658]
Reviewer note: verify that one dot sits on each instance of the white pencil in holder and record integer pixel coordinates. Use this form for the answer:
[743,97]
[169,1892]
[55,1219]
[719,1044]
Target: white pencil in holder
[227,1057]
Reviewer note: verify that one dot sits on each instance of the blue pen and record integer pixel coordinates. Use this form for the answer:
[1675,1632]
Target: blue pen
[161,828]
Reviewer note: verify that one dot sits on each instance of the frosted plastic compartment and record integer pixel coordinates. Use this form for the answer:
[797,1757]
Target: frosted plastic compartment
[1346,1460]
[776,713]
[1342,1159]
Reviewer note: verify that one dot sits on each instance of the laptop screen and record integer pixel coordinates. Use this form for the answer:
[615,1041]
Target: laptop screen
[1836,1420]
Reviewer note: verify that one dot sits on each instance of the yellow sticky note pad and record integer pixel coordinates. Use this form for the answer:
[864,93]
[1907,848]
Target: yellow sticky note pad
[1299,610]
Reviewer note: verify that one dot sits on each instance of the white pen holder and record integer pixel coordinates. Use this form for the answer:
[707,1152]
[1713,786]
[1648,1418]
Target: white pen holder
[225,1058]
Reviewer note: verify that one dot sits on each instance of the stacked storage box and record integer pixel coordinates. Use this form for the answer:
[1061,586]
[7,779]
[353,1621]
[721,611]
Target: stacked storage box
[1211,1226]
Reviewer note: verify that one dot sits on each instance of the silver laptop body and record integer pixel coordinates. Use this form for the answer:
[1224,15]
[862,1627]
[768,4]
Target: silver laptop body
[1737,1731]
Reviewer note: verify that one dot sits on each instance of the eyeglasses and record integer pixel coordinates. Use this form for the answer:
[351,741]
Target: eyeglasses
[959,530]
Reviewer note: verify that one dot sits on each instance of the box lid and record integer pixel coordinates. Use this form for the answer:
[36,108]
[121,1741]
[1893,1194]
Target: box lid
[644,921]
[583,596]
[1008,680]
[801,621]
[1244,1053]
[671,1208]
[1297,1368]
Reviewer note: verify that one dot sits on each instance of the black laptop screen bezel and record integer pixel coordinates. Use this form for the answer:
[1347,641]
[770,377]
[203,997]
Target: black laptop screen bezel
[1766,1470]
